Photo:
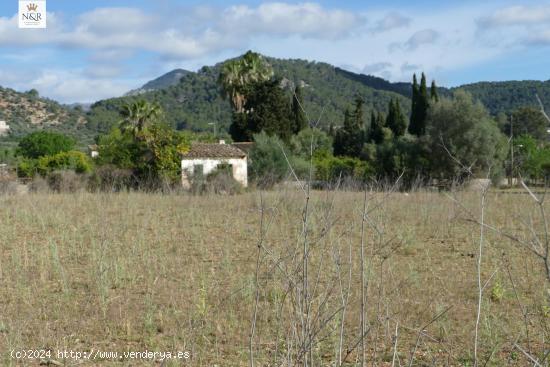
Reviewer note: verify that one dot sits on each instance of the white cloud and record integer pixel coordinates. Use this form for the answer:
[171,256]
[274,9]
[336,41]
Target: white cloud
[457,37]
[309,20]
[392,21]
[376,67]
[120,28]
[516,26]
[74,86]
[419,38]
[516,15]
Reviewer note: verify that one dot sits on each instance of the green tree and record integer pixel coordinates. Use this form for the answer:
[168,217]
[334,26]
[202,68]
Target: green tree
[358,113]
[268,109]
[420,106]
[237,76]
[120,149]
[298,115]
[414,109]
[311,140]
[43,143]
[268,164]
[528,121]
[395,120]
[433,92]
[379,132]
[463,134]
[138,115]
[532,158]
[348,140]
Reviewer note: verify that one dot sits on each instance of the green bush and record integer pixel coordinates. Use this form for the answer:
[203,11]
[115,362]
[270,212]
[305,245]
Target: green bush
[44,143]
[73,160]
[301,143]
[332,168]
[27,168]
[267,161]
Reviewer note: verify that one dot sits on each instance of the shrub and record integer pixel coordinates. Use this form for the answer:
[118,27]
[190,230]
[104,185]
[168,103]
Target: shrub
[332,168]
[27,168]
[73,160]
[221,181]
[39,184]
[66,181]
[301,143]
[267,162]
[44,143]
[8,184]
[111,178]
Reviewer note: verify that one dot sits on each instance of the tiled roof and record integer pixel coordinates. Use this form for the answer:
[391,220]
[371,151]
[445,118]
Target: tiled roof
[203,150]
[245,146]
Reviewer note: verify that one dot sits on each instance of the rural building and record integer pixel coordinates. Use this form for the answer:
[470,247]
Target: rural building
[93,150]
[203,159]
[4,128]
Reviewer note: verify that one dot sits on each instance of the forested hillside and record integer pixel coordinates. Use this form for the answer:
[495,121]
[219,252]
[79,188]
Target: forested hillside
[197,101]
[505,97]
[193,100]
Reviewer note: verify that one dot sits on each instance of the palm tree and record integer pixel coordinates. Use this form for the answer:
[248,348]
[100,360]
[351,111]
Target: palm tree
[138,115]
[238,75]
[232,82]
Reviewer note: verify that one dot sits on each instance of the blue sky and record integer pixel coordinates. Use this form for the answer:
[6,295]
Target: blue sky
[98,49]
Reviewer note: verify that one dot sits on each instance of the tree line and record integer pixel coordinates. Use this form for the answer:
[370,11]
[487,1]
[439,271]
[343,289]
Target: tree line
[443,138]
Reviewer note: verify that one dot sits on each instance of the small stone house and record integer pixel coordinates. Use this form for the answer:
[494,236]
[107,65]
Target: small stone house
[4,128]
[203,159]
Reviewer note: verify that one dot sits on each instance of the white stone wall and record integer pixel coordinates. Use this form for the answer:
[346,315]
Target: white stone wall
[240,168]
[4,128]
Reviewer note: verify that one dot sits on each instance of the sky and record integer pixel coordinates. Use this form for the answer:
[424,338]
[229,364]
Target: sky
[92,50]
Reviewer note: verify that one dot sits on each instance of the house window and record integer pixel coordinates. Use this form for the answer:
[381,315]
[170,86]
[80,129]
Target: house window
[198,170]
[225,168]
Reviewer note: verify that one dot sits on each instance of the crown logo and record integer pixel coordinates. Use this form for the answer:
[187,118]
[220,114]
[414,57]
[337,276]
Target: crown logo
[32,7]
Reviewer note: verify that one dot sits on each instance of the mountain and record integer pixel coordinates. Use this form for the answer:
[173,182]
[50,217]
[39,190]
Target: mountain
[504,97]
[27,112]
[164,81]
[196,101]
[193,100]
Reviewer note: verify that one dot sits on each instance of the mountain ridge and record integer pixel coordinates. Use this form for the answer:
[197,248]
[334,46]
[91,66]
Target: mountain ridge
[193,99]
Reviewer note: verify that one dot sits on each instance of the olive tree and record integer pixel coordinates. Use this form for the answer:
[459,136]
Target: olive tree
[464,138]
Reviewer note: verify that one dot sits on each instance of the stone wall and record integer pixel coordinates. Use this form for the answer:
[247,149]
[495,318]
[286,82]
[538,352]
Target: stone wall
[239,165]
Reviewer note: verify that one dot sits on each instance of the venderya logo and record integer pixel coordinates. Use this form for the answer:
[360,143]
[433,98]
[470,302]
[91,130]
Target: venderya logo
[32,14]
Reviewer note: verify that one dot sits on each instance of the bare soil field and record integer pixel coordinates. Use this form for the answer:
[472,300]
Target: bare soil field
[272,279]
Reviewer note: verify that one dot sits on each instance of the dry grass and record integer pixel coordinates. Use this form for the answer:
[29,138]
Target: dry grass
[119,272]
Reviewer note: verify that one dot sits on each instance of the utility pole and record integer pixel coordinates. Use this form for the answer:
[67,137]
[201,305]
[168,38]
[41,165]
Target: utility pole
[215,129]
[511,183]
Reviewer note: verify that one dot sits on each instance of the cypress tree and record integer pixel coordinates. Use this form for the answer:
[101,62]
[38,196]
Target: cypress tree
[390,119]
[420,106]
[349,139]
[377,135]
[400,120]
[298,116]
[396,119]
[413,126]
[358,115]
[433,92]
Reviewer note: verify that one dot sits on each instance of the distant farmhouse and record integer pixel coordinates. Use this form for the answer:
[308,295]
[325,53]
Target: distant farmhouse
[203,159]
[4,128]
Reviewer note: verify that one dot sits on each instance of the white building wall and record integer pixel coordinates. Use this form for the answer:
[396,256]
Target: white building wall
[240,168]
[4,128]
